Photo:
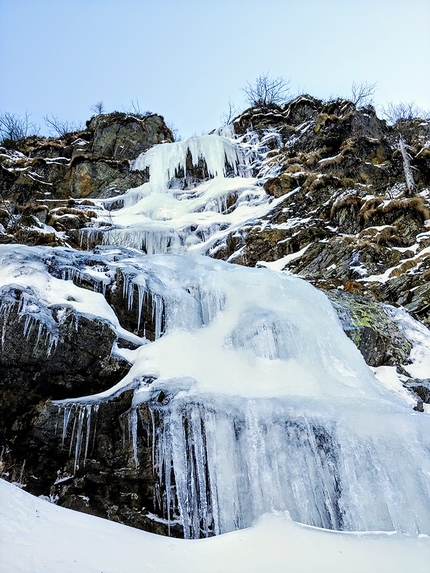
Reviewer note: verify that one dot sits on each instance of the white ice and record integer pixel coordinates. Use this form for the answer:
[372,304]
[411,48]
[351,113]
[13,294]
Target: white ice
[171,215]
[166,159]
[279,403]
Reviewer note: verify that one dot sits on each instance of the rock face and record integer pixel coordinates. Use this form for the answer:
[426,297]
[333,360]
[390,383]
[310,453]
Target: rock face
[347,214]
[372,330]
[33,371]
[343,218]
[40,177]
[79,456]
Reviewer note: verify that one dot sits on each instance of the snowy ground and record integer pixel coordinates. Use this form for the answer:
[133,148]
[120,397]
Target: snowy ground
[36,536]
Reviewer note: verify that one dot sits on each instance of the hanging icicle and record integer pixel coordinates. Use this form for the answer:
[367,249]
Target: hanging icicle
[78,417]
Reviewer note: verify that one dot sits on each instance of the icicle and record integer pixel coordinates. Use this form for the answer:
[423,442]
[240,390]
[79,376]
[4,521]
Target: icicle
[165,160]
[73,432]
[88,409]
[128,289]
[66,417]
[276,460]
[81,430]
[95,410]
[157,313]
[4,313]
[132,420]
[142,294]
[79,434]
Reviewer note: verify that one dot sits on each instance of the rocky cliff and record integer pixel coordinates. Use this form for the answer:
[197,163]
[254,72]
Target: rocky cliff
[347,210]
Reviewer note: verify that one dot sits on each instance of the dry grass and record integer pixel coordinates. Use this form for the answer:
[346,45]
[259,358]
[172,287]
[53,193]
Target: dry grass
[311,159]
[294,168]
[385,212]
[352,287]
[346,202]
[331,161]
[415,205]
[369,208]
[406,266]
[388,237]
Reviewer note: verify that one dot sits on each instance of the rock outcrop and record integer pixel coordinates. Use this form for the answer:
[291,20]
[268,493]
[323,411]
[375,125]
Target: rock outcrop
[40,178]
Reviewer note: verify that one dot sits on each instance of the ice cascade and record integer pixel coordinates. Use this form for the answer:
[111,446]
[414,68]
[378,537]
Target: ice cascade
[253,397]
[199,191]
[258,401]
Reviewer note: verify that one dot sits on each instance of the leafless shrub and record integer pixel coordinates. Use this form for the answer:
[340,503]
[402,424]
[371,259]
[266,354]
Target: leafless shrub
[362,93]
[14,127]
[227,117]
[136,110]
[59,127]
[98,108]
[175,131]
[404,111]
[266,91]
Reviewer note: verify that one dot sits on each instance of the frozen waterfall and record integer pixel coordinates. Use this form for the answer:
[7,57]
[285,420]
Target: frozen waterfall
[263,403]
[189,204]
[251,394]
[258,401]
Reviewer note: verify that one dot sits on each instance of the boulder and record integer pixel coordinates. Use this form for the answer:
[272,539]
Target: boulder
[372,330]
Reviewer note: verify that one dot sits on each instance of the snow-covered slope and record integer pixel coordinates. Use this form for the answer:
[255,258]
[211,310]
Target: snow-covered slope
[36,537]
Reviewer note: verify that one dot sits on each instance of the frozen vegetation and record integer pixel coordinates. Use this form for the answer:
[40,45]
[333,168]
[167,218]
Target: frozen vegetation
[261,407]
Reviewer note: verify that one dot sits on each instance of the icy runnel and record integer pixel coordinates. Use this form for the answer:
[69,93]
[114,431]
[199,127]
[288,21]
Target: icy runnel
[218,192]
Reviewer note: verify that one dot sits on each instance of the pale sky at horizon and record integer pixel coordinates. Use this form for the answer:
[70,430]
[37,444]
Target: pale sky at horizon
[185,59]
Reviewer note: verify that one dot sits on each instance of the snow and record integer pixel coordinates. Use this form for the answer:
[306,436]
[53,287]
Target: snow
[330,160]
[388,376]
[27,269]
[37,536]
[419,336]
[280,264]
[19,269]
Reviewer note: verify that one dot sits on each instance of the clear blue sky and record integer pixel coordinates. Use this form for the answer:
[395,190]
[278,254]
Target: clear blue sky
[184,59]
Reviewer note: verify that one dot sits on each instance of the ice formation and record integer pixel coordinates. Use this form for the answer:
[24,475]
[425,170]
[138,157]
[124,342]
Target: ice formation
[258,400]
[164,161]
[265,404]
[176,213]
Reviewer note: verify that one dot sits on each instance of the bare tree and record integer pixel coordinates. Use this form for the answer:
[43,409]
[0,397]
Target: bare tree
[98,108]
[175,131]
[267,91]
[362,94]
[136,110]
[227,117]
[404,111]
[14,127]
[59,127]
